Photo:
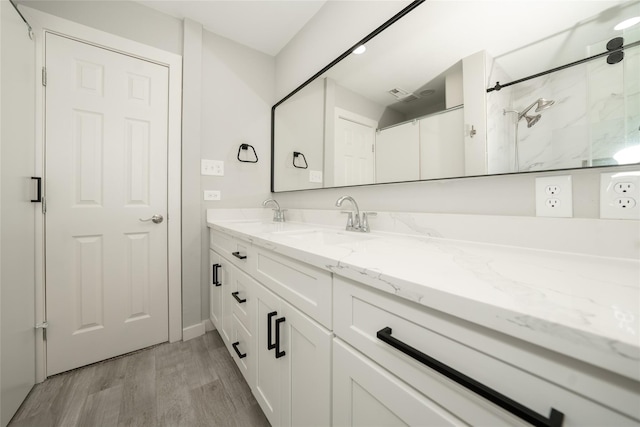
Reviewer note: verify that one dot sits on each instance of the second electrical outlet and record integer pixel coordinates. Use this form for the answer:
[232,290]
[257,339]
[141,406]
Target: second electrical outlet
[554,196]
[212,195]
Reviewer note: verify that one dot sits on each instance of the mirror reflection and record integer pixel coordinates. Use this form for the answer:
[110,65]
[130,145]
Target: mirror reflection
[420,101]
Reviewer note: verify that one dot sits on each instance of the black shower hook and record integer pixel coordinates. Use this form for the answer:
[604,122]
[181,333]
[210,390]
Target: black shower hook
[246,147]
[295,156]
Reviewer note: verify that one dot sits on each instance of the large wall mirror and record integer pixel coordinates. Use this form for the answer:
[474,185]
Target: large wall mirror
[468,88]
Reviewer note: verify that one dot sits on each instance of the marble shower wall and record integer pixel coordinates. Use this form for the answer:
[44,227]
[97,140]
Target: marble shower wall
[596,114]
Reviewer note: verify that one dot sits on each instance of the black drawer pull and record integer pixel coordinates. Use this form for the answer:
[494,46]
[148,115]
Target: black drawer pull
[214,279]
[279,353]
[270,346]
[555,417]
[235,347]
[237,255]
[240,300]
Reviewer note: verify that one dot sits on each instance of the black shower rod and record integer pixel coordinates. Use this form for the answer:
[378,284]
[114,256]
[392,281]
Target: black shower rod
[499,86]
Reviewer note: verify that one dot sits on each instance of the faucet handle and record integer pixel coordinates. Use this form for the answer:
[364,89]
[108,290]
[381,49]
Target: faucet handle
[349,219]
[365,220]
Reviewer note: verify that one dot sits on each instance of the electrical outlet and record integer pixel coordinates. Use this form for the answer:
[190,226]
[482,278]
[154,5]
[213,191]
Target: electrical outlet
[620,195]
[552,203]
[554,196]
[552,190]
[212,195]
[315,176]
[624,187]
[212,167]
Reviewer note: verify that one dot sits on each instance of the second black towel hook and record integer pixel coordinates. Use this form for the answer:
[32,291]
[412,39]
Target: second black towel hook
[297,154]
[246,147]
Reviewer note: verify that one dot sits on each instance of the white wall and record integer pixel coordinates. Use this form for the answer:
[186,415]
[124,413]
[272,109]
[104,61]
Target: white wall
[191,138]
[237,95]
[331,32]
[123,18]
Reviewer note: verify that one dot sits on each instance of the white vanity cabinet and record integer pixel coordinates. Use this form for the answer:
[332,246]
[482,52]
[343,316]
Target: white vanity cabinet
[283,353]
[396,335]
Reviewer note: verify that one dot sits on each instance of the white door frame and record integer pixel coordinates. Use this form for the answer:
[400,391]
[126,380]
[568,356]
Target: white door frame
[43,23]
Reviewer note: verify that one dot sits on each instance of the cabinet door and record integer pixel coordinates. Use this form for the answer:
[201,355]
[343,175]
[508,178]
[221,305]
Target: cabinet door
[269,368]
[220,298]
[215,289]
[306,383]
[365,394]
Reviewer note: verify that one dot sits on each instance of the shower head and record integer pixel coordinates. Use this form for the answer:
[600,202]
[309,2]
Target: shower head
[532,120]
[543,104]
[540,104]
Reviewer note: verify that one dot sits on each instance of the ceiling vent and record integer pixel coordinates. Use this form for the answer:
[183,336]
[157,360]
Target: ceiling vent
[403,95]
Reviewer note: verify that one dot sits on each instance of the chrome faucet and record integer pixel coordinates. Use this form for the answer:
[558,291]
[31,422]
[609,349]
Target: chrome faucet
[354,222]
[278,214]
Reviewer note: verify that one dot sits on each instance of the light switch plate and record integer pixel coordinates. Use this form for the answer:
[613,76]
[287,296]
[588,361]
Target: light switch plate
[212,167]
[554,197]
[620,195]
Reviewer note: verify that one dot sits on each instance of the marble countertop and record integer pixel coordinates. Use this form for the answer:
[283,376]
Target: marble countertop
[580,305]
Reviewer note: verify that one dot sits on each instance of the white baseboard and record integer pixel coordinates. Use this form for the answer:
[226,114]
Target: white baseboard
[193,331]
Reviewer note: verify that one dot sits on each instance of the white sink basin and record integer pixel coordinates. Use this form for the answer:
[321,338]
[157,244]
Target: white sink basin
[326,237]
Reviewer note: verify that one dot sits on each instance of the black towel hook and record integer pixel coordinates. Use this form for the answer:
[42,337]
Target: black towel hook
[295,156]
[246,147]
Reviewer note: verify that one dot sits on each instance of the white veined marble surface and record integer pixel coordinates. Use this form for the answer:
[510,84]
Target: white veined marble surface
[579,304]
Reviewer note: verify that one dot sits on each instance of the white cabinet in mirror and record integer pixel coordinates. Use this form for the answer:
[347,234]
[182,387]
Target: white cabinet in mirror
[411,109]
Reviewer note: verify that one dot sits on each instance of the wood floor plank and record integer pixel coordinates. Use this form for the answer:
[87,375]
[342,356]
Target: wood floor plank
[213,407]
[102,408]
[138,405]
[193,383]
[174,406]
[67,405]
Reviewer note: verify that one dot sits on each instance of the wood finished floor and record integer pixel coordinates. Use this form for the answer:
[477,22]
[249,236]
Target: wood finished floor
[193,383]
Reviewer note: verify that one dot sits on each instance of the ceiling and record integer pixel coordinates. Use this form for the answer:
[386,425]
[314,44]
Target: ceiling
[264,25]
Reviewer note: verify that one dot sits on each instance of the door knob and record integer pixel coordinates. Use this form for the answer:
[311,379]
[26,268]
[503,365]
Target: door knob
[157,219]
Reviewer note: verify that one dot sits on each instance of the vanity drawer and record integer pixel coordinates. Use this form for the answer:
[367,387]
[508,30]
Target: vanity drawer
[361,312]
[305,287]
[240,253]
[243,299]
[243,350]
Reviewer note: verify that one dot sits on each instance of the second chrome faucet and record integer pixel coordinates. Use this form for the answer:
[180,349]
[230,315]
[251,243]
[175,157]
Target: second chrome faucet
[278,214]
[355,222]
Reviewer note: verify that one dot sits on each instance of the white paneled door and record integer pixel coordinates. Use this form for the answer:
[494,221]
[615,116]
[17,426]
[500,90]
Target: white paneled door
[354,145]
[106,171]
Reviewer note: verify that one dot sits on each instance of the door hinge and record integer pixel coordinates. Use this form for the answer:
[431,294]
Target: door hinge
[373,149]
[44,205]
[43,326]
[44,76]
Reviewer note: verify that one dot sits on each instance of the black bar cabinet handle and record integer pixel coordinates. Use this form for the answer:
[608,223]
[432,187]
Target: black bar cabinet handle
[270,345]
[240,300]
[279,353]
[555,418]
[235,347]
[215,275]
[38,199]
[237,255]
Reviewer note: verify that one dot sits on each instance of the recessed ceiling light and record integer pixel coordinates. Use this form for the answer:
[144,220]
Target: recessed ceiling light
[427,92]
[627,23]
[360,50]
